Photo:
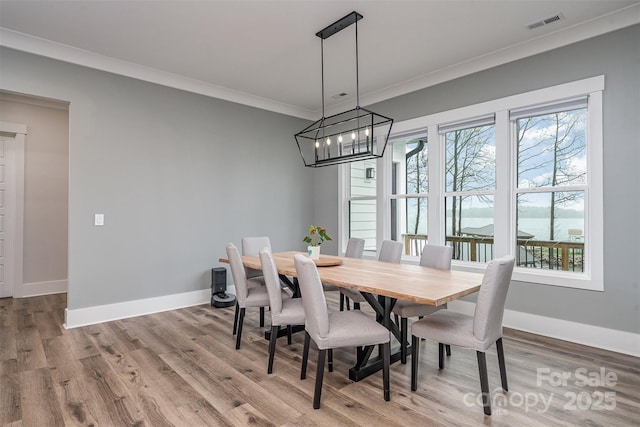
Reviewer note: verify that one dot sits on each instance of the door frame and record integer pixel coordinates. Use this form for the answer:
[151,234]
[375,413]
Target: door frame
[15,169]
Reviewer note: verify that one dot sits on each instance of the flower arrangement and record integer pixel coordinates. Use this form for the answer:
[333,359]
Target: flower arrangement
[316,236]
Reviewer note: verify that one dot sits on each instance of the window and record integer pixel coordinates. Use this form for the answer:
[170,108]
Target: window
[551,144]
[470,181]
[409,190]
[520,175]
[362,203]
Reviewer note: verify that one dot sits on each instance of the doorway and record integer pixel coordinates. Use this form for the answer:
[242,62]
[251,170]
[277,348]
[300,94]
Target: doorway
[41,173]
[12,137]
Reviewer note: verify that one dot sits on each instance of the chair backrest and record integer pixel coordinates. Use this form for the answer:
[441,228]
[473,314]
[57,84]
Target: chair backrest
[272,282]
[237,272]
[313,301]
[390,251]
[252,246]
[355,248]
[487,319]
[436,256]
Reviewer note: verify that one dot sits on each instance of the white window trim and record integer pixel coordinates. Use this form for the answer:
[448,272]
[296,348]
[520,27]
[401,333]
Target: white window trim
[504,200]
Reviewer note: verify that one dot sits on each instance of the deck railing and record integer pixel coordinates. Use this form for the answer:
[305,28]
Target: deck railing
[544,254]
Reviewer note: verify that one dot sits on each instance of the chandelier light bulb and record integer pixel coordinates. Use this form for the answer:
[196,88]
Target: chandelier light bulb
[340,138]
[353,136]
[317,144]
[366,131]
[328,141]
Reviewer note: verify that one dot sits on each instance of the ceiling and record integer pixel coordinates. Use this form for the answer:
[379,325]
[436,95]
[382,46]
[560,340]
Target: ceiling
[265,53]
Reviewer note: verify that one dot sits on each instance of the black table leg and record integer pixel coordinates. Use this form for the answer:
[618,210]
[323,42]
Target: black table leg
[366,366]
[294,286]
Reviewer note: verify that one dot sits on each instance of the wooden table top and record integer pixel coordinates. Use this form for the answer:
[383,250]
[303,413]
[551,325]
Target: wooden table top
[402,281]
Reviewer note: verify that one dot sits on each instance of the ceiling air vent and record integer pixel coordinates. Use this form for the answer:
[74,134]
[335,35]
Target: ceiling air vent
[546,21]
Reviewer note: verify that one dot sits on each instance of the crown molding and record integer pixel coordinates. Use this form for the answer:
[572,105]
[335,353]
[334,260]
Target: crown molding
[47,48]
[613,21]
[619,19]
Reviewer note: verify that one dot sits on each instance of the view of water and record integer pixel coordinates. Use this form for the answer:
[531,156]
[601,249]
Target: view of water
[539,227]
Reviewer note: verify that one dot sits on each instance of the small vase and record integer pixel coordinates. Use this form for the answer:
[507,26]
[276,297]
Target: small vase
[314,252]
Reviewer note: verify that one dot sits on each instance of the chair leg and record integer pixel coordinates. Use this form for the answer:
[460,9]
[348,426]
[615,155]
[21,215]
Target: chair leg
[235,319]
[341,301]
[415,350]
[484,382]
[503,368]
[272,347]
[385,351]
[305,356]
[348,302]
[448,347]
[319,374]
[288,334]
[240,321]
[330,360]
[440,355]
[396,318]
[262,317]
[356,306]
[403,340]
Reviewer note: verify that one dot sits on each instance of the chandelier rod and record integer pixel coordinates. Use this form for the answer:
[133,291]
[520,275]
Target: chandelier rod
[357,71]
[327,32]
[322,68]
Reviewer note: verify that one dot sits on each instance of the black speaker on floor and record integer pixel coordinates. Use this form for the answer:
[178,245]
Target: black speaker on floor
[219,296]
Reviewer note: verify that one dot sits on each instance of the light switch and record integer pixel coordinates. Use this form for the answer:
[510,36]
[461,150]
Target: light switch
[99,219]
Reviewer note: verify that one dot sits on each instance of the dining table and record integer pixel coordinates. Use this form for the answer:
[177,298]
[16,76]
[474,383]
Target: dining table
[381,284]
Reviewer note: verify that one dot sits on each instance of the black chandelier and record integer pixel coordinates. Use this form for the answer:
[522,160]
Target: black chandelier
[354,135]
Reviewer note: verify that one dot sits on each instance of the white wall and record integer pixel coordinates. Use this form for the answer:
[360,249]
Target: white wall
[45,185]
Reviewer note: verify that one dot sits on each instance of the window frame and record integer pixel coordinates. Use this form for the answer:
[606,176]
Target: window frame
[506,181]
[405,196]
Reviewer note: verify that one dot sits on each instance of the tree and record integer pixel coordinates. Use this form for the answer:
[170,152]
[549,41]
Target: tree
[549,149]
[470,165]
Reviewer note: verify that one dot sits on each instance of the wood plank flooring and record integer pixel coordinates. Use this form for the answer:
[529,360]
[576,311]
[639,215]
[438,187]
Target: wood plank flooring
[180,368]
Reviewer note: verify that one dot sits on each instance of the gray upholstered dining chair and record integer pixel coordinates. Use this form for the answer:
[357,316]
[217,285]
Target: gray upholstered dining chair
[246,296]
[336,329]
[252,246]
[476,332]
[390,251]
[434,256]
[284,311]
[355,249]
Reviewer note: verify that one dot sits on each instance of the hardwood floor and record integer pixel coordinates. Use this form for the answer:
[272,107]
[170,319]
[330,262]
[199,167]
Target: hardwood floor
[180,368]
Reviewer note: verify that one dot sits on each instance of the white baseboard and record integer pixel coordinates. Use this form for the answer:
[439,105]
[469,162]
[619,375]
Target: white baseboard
[122,310]
[35,289]
[594,336]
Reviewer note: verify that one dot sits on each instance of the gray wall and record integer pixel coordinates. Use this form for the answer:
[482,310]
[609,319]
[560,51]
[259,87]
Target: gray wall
[46,172]
[617,56]
[177,175]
